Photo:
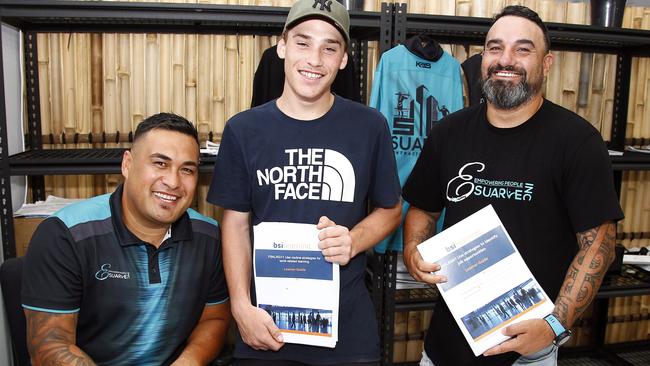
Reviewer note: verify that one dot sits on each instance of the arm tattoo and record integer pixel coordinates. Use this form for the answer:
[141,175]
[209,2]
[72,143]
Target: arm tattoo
[584,276]
[51,339]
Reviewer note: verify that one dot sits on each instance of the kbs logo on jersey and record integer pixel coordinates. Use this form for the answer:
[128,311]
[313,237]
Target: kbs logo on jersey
[311,174]
[413,118]
[465,184]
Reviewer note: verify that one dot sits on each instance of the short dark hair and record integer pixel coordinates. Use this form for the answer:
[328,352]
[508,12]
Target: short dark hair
[526,13]
[166,121]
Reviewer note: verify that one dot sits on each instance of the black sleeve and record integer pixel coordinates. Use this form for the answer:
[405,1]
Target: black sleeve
[589,185]
[52,273]
[385,188]
[345,84]
[218,292]
[422,188]
[230,186]
[268,81]
[472,70]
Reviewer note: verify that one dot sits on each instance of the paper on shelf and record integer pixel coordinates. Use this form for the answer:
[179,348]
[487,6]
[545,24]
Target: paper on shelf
[642,260]
[643,149]
[211,148]
[44,208]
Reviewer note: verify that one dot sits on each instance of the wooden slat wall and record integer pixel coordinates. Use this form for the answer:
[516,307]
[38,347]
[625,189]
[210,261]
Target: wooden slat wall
[109,82]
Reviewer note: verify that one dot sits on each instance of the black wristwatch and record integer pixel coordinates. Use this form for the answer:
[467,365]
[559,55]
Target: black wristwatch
[562,335]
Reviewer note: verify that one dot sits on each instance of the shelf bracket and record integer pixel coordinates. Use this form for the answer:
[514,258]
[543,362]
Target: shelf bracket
[621,100]
[6,204]
[34,140]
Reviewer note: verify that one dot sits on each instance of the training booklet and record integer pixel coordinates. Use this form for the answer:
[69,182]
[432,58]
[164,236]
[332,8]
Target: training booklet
[294,283]
[489,286]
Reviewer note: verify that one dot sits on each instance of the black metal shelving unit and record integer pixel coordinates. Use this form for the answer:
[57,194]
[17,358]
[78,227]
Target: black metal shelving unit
[624,43]
[390,26]
[34,16]
[75,161]
[564,37]
[128,17]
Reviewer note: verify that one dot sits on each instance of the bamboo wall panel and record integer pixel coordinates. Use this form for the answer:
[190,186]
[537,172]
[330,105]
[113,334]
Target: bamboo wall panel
[218,88]
[572,74]
[399,336]
[108,83]
[628,316]
[638,129]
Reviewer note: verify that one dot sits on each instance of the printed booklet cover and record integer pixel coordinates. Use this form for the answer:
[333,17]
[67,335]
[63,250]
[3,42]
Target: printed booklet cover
[294,283]
[489,286]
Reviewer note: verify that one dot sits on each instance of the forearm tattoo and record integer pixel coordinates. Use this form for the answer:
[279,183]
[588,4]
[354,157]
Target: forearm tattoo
[584,276]
[49,343]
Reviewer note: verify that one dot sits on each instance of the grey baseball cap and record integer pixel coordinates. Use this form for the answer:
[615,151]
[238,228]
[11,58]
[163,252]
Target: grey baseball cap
[331,10]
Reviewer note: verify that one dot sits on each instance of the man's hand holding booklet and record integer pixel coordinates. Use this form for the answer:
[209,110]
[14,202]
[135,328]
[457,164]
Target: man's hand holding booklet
[489,286]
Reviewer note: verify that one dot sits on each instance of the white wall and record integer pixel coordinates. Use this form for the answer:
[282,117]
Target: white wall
[11,55]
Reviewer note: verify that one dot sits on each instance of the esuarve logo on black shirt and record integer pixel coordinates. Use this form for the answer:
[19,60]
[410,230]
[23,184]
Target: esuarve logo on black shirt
[106,273]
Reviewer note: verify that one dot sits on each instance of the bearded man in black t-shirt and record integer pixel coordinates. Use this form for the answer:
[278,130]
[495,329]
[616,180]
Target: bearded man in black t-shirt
[546,172]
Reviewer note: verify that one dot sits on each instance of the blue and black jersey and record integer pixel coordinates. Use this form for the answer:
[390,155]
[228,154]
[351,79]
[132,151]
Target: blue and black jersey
[136,304]
[413,93]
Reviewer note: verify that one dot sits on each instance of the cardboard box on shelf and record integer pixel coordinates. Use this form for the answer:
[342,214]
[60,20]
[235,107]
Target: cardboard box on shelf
[24,228]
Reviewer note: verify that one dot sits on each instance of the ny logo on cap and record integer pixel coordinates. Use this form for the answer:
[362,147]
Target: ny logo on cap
[324,4]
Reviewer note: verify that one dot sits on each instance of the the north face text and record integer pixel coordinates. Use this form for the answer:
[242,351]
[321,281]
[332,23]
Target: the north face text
[313,174]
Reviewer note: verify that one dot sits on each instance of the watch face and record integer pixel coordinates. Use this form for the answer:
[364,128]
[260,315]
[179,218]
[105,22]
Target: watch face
[562,338]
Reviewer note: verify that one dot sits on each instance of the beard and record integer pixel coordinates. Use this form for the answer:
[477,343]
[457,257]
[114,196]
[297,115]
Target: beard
[504,94]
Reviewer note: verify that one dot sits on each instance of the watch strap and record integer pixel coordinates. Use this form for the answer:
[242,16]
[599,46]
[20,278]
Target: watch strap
[555,324]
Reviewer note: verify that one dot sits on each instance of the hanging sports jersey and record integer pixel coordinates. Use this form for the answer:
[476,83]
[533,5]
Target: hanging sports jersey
[413,93]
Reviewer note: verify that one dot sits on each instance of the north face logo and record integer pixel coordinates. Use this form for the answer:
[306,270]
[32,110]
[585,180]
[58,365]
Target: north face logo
[313,174]
[324,4]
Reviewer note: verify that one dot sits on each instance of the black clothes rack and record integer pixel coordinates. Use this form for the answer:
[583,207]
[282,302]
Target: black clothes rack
[625,44]
[34,16]
[390,26]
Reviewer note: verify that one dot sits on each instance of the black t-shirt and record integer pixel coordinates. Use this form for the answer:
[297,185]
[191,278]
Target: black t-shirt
[136,304]
[286,170]
[548,179]
[472,69]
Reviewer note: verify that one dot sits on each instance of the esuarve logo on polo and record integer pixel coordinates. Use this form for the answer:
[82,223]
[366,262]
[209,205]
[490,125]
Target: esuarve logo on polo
[311,174]
[105,273]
